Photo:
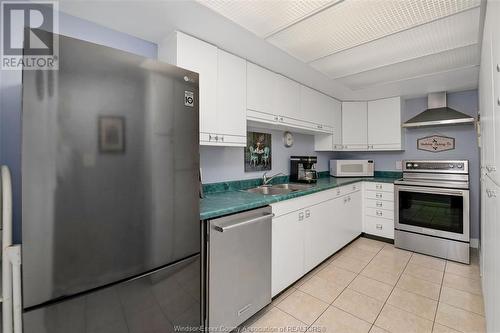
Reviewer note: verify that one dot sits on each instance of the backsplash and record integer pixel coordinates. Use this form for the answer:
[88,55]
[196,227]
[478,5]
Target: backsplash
[221,164]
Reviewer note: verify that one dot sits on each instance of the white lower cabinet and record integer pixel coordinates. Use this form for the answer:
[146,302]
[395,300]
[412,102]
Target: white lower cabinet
[287,250]
[378,207]
[309,229]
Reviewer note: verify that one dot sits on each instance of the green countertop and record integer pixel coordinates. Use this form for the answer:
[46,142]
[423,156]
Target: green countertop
[234,200]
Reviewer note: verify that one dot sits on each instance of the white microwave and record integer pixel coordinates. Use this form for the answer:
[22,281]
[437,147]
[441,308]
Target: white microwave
[352,168]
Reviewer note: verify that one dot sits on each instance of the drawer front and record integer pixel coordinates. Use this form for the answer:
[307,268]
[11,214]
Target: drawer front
[382,187]
[380,204]
[379,195]
[351,188]
[376,212]
[379,227]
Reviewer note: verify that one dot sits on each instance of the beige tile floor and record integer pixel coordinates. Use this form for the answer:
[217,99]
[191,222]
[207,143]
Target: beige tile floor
[371,286]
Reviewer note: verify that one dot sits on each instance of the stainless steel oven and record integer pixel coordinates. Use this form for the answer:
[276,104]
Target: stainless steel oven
[433,209]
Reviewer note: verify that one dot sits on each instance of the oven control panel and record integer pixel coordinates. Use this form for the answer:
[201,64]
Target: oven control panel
[437,166]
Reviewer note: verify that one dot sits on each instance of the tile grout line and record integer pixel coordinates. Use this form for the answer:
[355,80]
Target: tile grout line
[439,296]
[394,287]
[331,304]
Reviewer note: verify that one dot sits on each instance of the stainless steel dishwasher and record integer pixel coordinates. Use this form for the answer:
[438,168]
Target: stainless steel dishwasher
[239,267]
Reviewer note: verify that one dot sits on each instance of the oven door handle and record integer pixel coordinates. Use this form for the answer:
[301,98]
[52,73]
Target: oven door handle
[430,190]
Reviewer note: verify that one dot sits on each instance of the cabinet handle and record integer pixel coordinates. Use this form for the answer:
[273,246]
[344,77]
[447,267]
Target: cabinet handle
[345,200]
[491,168]
[354,187]
[281,119]
[498,67]
[379,204]
[338,192]
[379,226]
[222,138]
[349,198]
[308,213]
[301,216]
[378,187]
[498,101]
[378,195]
[379,213]
[275,118]
[491,193]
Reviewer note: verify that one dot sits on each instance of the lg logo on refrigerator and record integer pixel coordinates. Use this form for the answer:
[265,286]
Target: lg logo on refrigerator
[27,31]
[188,98]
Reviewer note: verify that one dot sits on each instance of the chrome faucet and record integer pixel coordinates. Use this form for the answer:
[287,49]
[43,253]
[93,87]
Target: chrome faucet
[266,180]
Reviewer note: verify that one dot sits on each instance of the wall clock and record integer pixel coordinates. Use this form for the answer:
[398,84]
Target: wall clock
[288,139]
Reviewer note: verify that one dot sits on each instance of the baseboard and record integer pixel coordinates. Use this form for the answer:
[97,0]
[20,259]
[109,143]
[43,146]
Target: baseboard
[378,238]
[474,243]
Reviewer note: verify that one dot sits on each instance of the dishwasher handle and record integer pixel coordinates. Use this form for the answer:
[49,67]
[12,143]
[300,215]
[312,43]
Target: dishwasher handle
[239,224]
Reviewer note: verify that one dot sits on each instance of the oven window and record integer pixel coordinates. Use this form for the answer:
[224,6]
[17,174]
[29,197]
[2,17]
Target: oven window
[433,211]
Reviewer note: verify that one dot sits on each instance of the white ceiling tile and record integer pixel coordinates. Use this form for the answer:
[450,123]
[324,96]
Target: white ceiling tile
[353,22]
[438,36]
[441,62]
[455,80]
[268,16]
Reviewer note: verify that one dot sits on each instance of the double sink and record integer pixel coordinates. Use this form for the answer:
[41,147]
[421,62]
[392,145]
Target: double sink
[279,189]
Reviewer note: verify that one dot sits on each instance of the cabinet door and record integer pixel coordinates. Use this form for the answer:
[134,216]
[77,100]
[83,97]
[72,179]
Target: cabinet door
[384,124]
[354,215]
[201,57]
[319,230]
[495,37]
[354,125]
[287,250]
[231,96]
[315,107]
[331,142]
[260,88]
[286,98]
[490,247]
[336,109]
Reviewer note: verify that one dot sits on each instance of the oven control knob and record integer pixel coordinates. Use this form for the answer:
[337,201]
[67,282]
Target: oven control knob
[460,165]
[415,165]
[452,166]
[409,165]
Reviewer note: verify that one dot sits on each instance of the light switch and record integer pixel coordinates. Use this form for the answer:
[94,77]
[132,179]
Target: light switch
[399,165]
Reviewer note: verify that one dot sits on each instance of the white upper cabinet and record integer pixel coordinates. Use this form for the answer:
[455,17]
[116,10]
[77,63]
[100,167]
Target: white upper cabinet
[285,104]
[231,99]
[316,107]
[354,125]
[384,124]
[331,142]
[260,88]
[198,56]
[286,98]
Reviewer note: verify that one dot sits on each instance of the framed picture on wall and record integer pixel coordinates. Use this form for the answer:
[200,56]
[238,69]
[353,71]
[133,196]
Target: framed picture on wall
[258,152]
[111,134]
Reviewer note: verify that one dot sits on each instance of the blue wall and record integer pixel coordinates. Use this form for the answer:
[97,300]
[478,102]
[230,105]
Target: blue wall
[10,95]
[465,141]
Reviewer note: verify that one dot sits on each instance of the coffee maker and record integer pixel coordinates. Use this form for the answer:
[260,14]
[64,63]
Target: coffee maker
[303,169]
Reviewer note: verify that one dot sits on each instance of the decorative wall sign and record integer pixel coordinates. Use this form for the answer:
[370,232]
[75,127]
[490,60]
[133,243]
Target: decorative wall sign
[111,134]
[258,152]
[436,143]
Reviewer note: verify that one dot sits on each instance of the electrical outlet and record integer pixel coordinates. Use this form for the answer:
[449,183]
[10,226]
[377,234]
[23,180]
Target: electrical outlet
[399,165]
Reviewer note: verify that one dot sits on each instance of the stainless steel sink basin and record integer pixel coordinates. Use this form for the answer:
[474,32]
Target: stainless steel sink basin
[278,189]
[293,187]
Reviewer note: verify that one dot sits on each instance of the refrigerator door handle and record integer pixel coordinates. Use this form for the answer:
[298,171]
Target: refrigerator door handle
[11,263]
[238,224]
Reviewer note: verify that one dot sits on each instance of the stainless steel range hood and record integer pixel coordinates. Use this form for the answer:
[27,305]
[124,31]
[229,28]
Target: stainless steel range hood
[438,114]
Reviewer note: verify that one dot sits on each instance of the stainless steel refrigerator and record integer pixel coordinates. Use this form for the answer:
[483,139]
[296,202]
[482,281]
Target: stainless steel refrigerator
[110,201]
